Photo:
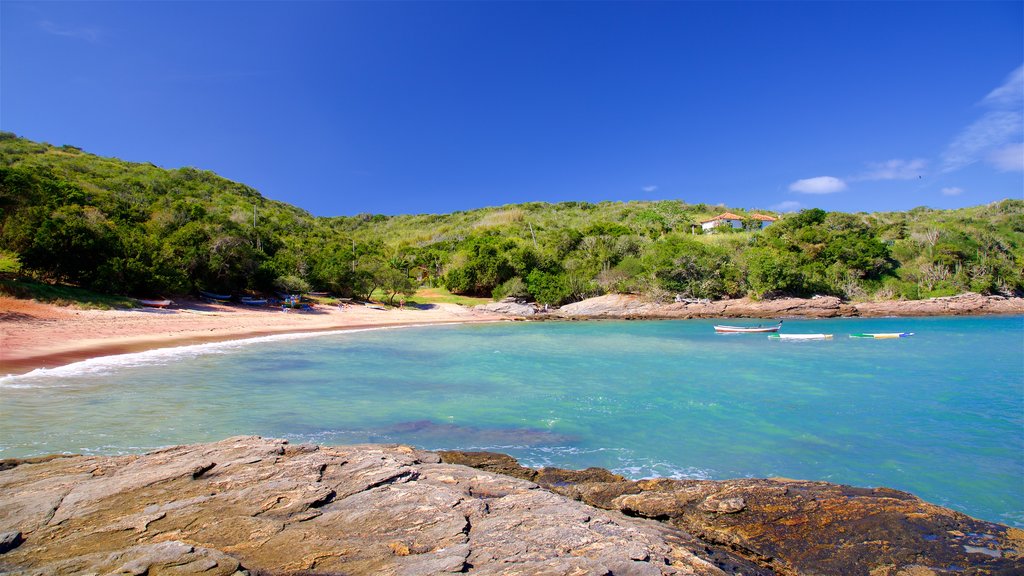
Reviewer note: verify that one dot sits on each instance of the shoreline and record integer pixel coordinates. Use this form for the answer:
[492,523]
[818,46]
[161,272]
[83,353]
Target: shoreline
[22,366]
[35,335]
[633,307]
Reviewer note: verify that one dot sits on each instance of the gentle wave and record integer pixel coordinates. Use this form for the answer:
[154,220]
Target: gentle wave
[103,365]
[629,465]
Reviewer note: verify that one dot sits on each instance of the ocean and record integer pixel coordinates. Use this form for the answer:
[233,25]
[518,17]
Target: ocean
[939,414]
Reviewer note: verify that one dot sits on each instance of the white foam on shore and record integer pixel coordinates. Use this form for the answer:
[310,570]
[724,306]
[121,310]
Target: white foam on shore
[49,377]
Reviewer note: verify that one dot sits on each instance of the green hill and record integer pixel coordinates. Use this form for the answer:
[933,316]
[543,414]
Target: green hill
[127,228]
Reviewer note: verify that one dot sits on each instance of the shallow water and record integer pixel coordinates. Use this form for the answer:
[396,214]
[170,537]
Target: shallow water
[940,414]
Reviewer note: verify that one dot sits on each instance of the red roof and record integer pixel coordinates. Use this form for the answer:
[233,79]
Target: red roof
[764,217]
[723,216]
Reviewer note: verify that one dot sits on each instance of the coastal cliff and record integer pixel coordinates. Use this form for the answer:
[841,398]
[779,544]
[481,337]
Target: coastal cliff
[255,506]
[629,306]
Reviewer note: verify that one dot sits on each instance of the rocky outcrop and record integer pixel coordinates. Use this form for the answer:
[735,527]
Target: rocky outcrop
[259,507]
[634,307]
[962,305]
[254,506]
[508,306]
[794,527]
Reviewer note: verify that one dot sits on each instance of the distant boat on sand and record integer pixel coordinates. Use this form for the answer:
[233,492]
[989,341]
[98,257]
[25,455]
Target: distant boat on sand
[156,303]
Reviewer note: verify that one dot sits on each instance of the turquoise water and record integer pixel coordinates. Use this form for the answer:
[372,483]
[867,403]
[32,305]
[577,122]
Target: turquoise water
[940,414]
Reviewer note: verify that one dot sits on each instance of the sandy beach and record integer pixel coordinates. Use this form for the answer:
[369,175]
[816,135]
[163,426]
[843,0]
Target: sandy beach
[35,335]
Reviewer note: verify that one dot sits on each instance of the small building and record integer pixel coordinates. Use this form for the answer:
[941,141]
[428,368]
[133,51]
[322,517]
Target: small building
[735,221]
[765,219]
[723,219]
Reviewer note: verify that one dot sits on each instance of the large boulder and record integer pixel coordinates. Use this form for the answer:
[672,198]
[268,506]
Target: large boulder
[508,306]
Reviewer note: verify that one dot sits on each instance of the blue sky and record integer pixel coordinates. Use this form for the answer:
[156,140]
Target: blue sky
[412,107]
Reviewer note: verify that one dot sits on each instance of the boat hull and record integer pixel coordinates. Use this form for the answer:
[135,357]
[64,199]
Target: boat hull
[800,337]
[883,336]
[221,298]
[156,303]
[746,330]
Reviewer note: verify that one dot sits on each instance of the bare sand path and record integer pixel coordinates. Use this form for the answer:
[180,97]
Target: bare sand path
[35,335]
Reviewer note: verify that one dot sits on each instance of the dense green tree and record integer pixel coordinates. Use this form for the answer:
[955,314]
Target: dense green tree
[130,228]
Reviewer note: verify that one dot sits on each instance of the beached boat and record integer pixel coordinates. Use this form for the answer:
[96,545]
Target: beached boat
[722,329]
[883,335]
[213,297]
[800,337]
[156,303]
[253,301]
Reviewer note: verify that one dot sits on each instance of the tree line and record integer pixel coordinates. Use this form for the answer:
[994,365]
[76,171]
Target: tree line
[136,229]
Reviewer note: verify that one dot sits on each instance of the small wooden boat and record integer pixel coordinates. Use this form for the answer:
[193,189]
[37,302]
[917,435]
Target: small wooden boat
[800,337]
[883,335]
[253,301]
[722,329]
[221,298]
[156,303]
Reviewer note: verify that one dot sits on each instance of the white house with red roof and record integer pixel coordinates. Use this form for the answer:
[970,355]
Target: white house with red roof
[735,221]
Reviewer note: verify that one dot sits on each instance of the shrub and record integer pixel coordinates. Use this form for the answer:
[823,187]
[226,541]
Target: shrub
[513,287]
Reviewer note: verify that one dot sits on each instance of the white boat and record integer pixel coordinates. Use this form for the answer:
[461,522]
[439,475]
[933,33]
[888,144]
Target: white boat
[722,329]
[883,335]
[156,303]
[801,337]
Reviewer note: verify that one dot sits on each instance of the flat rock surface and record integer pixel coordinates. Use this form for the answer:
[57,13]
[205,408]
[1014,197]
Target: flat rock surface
[794,527]
[249,505]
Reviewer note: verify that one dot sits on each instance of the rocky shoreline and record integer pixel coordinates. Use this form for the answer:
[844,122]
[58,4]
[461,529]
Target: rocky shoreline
[630,306]
[254,506]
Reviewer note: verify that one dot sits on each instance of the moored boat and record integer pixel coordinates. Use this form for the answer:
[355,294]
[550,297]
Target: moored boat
[883,335]
[800,337]
[156,303]
[723,329]
[213,297]
[253,301]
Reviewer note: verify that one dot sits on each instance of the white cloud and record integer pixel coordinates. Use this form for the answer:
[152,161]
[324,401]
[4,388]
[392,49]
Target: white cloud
[651,188]
[1009,158]
[91,35]
[954,191]
[1009,94]
[786,206]
[1000,125]
[818,185]
[894,170]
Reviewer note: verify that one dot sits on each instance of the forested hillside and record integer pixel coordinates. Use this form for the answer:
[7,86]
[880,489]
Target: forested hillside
[127,228]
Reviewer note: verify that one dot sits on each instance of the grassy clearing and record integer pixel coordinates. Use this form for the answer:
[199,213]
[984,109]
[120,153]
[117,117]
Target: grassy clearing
[62,295]
[441,296]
